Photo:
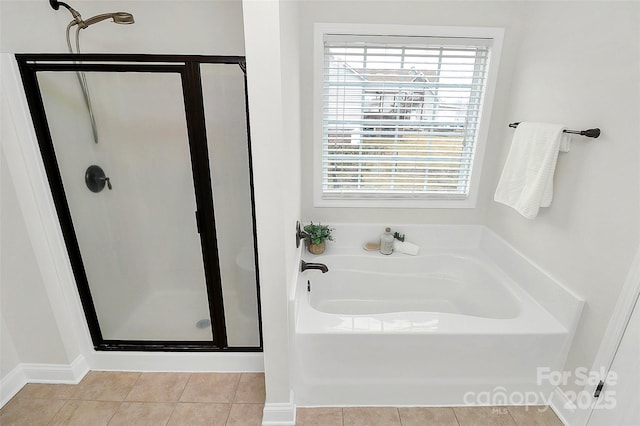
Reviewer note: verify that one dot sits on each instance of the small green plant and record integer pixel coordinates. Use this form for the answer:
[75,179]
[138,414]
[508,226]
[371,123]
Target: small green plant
[399,237]
[317,234]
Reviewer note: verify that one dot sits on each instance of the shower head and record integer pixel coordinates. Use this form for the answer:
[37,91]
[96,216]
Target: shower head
[118,18]
[123,18]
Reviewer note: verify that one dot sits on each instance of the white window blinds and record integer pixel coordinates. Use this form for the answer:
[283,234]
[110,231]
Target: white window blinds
[400,115]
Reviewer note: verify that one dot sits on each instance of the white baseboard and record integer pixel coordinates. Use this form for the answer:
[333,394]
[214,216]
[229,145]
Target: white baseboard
[25,373]
[80,368]
[11,384]
[56,373]
[279,414]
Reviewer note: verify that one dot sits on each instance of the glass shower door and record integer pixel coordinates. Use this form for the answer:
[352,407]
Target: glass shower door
[131,200]
[223,89]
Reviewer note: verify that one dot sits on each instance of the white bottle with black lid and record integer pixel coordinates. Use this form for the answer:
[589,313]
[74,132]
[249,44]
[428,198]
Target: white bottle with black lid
[386,242]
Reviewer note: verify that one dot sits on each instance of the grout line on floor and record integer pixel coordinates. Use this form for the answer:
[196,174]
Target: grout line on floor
[235,391]
[512,418]
[56,413]
[115,412]
[174,408]
[226,420]
[455,415]
[130,389]
[185,387]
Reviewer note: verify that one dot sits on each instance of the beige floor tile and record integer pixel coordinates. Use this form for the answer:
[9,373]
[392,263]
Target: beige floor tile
[82,413]
[47,391]
[371,416]
[105,386]
[319,416]
[142,414]
[432,416]
[534,416]
[32,412]
[196,414]
[245,415]
[211,387]
[485,416]
[250,388]
[158,387]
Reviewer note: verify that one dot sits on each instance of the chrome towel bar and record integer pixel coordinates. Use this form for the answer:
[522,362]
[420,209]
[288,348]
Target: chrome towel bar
[590,133]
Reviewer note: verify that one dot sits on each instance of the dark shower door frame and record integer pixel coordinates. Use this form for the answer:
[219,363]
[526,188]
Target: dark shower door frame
[188,67]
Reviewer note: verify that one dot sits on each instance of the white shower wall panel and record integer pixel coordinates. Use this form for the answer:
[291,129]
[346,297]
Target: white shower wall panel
[142,117]
[75,150]
[142,125]
[141,237]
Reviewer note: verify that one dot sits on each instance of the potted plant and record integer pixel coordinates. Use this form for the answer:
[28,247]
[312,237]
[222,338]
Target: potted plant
[317,235]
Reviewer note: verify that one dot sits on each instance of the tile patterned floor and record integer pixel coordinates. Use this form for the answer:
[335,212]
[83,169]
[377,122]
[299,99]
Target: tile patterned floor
[118,398]
[422,416]
[232,399]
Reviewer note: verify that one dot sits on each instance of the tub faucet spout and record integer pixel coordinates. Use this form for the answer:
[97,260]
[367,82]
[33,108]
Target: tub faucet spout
[308,265]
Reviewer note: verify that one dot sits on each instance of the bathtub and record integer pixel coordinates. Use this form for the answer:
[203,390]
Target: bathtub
[455,325]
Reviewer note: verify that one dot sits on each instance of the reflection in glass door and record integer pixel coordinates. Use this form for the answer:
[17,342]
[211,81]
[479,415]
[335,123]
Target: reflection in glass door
[137,207]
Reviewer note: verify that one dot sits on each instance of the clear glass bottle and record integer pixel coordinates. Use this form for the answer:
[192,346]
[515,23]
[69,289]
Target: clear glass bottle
[386,242]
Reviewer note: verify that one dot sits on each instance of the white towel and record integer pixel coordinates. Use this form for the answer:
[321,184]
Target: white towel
[526,183]
[405,247]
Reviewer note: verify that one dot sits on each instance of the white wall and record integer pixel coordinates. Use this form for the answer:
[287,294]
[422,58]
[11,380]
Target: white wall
[262,43]
[29,332]
[578,65]
[8,352]
[185,27]
[569,62]
[291,91]
[270,28]
[434,13]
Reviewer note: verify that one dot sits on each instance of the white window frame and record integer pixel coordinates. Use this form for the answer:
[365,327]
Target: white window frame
[496,36]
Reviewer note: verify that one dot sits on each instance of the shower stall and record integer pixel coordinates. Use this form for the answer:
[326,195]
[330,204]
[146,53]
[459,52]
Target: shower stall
[154,195]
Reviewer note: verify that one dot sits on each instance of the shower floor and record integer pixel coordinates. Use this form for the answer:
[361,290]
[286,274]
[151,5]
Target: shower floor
[173,315]
[166,315]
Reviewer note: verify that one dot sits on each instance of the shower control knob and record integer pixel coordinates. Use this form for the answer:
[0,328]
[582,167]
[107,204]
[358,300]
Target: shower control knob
[96,179]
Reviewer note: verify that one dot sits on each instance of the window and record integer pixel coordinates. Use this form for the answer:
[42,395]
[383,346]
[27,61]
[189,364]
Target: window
[401,118]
